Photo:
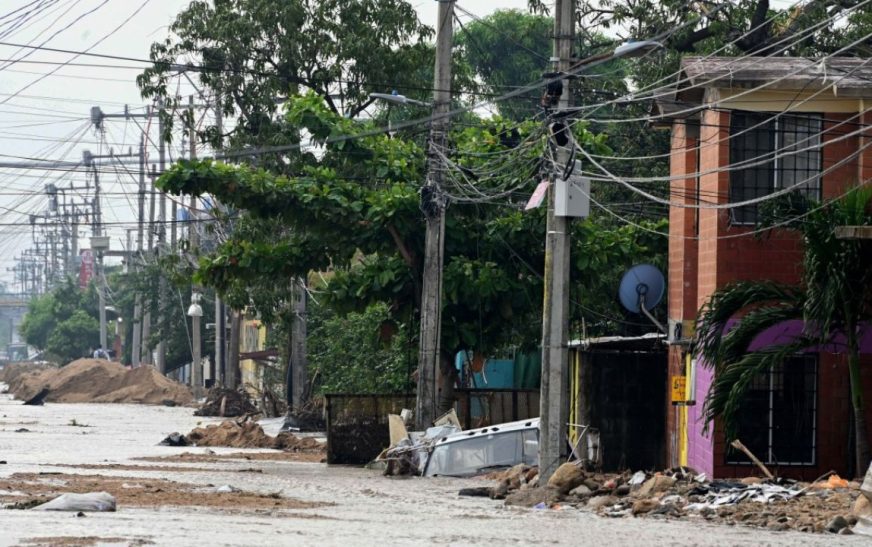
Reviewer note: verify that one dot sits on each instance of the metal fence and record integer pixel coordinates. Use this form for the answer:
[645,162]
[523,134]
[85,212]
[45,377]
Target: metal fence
[357,425]
[484,407]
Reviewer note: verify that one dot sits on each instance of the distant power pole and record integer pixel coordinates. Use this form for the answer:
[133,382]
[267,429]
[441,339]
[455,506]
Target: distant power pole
[554,410]
[193,240]
[136,346]
[433,204]
[162,238]
[220,360]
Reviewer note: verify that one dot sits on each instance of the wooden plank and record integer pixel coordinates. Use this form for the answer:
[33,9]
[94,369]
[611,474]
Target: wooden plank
[854,232]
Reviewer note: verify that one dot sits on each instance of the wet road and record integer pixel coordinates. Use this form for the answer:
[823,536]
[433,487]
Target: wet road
[366,509]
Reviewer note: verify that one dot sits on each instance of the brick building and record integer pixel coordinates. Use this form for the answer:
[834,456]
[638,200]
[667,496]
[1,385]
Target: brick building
[722,115]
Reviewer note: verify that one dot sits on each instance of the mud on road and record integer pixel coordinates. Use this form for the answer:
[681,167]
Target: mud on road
[280,500]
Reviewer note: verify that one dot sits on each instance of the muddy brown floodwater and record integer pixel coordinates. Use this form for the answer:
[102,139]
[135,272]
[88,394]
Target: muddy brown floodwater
[166,497]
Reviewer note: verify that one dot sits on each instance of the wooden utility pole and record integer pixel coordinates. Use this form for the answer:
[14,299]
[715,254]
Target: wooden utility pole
[555,313]
[433,204]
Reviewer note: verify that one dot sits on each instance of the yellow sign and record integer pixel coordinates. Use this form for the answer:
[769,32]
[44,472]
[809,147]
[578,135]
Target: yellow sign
[679,389]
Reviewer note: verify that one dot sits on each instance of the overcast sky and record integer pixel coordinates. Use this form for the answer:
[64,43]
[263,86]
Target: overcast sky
[45,115]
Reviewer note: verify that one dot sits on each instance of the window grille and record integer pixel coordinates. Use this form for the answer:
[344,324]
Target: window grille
[778,417]
[776,154]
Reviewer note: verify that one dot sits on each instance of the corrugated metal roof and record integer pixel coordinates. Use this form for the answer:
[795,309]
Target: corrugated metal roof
[848,76]
[651,340]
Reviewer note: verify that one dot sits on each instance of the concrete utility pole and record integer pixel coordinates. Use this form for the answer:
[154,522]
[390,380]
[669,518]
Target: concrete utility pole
[136,347]
[162,236]
[433,204]
[555,313]
[219,373]
[193,241]
[299,375]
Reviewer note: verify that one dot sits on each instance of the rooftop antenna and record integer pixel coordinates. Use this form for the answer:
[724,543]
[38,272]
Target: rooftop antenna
[641,289]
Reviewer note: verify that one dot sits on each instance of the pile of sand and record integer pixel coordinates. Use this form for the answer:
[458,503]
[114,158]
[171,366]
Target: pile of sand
[249,434]
[100,381]
[11,372]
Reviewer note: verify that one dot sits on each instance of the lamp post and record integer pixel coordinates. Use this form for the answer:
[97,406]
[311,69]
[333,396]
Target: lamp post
[195,312]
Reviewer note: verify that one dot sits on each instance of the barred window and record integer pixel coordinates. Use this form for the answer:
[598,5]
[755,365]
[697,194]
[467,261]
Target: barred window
[771,155]
[778,417]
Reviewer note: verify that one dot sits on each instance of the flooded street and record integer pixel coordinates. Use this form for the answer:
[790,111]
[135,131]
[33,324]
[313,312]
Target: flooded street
[177,502]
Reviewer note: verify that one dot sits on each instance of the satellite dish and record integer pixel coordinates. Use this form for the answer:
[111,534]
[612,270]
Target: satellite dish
[642,283]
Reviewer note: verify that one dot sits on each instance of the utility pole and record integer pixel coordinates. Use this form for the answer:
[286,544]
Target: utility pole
[219,374]
[196,357]
[555,313]
[162,236]
[433,204]
[299,375]
[136,347]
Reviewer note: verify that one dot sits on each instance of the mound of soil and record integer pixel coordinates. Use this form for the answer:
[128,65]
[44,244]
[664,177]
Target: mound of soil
[13,372]
[249,434]
[101,381]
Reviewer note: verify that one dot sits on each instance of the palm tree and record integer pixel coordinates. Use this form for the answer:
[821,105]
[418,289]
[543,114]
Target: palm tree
[834,300]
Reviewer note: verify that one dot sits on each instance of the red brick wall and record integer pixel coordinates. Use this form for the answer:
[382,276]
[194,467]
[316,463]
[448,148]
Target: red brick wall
[682,222]
[776,255]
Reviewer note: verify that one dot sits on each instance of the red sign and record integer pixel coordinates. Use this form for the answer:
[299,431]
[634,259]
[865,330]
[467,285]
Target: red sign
[87,269]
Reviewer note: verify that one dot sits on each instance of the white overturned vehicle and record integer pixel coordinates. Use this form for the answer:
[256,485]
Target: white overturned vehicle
[447,451]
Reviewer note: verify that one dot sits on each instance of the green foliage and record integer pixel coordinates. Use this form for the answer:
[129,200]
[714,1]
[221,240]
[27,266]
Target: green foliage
[257,50]
[63,321]
[348,354]
[74,337]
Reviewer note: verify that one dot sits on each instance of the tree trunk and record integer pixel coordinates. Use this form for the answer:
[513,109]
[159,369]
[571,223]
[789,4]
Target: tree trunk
[233,373]
[861,440]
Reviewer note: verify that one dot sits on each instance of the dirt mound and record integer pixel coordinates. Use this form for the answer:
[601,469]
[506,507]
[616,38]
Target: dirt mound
[226,403]
[13,373]
[249,434]
[100,381]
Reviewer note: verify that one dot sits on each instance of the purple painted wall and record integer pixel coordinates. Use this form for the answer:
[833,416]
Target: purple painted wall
[699,445]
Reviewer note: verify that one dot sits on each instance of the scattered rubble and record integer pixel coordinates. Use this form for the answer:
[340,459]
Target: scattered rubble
[227,403]
[97,381]
[779,504]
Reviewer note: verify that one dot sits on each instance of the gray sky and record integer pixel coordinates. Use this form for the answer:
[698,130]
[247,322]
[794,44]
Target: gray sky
[47,117]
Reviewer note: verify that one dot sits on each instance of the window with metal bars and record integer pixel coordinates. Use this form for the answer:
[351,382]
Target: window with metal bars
[767,155]
[778,417]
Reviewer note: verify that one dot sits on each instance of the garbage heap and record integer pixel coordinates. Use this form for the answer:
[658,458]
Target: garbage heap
[226,403]
[833,505]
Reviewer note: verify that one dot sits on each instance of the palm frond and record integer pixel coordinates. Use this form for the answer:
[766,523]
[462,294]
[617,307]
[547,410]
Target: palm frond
[726,302]
[727,392]
[736,342]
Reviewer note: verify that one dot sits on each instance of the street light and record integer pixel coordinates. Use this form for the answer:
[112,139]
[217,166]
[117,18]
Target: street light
[195,312]
[396,98]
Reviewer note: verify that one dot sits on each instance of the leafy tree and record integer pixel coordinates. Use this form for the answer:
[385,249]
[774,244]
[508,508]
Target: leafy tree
[834,300]
[74,337]
[55,321]
[359,352]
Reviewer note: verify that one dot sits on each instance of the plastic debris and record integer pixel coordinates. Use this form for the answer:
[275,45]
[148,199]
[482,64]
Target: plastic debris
[90,502]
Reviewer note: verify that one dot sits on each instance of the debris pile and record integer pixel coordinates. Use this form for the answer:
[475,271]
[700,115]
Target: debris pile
[833,505]
[99,381]
[309,417]
[226,403]
[243,433]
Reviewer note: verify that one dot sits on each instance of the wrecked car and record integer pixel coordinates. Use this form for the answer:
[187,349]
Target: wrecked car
[481,450]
